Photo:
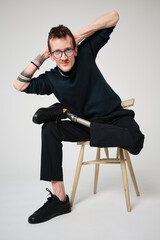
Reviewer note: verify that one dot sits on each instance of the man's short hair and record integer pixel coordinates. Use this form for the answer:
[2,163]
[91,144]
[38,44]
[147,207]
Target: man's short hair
[60,32]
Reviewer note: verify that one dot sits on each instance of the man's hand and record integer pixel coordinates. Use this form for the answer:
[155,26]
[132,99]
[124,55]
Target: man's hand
[45,51]
[44,55]
[77,38]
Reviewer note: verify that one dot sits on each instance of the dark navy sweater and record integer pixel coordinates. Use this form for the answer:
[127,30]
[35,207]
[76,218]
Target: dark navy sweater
[84,92]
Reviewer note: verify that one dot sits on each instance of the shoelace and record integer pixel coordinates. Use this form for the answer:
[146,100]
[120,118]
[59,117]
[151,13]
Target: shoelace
[49,192]
[47,202]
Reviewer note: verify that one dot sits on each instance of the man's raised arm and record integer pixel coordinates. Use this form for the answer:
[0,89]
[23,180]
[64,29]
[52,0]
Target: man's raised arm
[105,21]
[23,80]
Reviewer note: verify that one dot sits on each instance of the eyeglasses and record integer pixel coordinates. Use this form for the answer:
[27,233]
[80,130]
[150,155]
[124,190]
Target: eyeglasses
[58,54]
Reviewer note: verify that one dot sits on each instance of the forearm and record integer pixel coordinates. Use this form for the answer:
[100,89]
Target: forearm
[24,78]
[105,21]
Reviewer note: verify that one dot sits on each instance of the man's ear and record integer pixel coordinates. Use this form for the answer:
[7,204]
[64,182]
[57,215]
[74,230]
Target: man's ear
[51,57]
[76,51]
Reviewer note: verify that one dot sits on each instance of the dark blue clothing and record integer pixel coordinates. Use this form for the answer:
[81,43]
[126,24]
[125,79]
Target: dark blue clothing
[84,92]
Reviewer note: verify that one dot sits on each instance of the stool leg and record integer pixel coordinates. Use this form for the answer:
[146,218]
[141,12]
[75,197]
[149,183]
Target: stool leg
[125,180]
[117,152]
[107,152]
[77,173]
[132,172]
[96,170]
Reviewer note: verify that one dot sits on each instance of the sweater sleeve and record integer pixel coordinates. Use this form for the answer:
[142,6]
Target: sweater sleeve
[38,86]
[96,41]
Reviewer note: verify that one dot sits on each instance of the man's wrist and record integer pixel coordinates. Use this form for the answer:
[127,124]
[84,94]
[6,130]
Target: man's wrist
[85,32]
[40,59]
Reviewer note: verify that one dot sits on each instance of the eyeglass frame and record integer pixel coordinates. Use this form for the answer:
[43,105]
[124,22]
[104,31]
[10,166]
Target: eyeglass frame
[62,52]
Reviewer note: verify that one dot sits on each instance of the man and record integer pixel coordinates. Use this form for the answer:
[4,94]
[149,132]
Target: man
[80,87]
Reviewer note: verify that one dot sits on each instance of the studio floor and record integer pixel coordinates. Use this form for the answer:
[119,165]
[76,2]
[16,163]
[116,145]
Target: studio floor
[94,216]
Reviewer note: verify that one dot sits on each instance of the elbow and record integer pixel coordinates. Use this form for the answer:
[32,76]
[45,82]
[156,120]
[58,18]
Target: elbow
[115,17]
[15,85]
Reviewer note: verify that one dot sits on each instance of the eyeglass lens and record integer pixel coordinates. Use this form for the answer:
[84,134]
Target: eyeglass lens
[58,53]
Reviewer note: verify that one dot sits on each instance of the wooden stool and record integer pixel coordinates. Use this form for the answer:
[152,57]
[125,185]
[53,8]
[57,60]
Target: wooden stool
[122,156]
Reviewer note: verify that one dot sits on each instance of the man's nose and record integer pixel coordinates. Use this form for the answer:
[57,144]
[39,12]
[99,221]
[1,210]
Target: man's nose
[64,57]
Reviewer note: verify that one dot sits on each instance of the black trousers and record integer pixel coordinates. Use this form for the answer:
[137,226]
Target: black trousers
[117,129]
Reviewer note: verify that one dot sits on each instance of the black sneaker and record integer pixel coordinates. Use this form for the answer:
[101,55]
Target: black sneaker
[52,208]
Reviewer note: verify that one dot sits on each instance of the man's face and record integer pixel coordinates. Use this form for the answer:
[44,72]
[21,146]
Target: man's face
[64,63]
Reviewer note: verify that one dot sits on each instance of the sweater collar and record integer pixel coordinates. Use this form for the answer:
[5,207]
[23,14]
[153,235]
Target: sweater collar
[69,73]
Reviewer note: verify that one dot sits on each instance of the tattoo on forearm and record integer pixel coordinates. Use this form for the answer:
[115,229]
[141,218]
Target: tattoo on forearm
[25,74]
[40,58]
[23,80]
[25,77]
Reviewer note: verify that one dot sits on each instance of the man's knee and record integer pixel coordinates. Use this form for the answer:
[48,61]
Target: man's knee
[49,128]
[136,139]
[49,125]
[138,142]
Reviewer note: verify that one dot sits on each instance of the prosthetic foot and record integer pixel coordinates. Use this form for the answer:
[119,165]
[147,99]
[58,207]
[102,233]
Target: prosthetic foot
[52,113]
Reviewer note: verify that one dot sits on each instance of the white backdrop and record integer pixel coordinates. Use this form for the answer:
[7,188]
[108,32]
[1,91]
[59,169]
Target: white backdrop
[129,62]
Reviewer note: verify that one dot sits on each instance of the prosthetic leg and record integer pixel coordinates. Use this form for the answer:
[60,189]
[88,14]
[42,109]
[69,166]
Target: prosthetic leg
[56,112]
[75,118]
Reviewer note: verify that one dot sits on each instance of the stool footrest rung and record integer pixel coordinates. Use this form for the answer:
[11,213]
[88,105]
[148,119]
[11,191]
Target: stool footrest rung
[103,161]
